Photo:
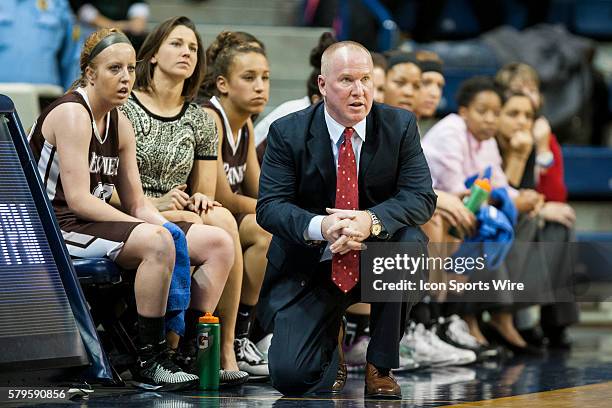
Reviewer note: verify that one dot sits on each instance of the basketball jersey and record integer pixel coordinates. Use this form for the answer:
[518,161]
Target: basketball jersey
[234,156]
[103,158]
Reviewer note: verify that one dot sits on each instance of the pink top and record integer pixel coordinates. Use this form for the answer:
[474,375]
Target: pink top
[454,154]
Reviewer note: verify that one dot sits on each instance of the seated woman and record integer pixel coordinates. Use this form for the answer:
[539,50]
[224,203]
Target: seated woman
[430,92]
[238,78]
[414,82]
[84,148]
[450,211]
[176,148]
[463,144]
[560,217]
[409,87]
[554,220]
[403,80]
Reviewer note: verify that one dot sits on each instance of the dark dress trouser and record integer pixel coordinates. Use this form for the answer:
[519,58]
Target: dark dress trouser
[563,313]
[303,355]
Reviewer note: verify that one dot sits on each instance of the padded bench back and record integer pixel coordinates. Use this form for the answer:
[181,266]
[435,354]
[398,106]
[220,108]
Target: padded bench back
[588,172]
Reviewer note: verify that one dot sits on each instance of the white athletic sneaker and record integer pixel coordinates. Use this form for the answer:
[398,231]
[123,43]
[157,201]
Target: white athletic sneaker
[415,344]
[264,344]
[250,359]
[457,330]
[462,356]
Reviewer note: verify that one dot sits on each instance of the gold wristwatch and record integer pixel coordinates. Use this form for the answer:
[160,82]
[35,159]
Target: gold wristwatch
[376,228]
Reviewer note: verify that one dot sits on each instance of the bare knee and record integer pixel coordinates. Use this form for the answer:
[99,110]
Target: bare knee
[262,238]
[223,245]
[151,246]
[159,246]
[224,219]
[253,235]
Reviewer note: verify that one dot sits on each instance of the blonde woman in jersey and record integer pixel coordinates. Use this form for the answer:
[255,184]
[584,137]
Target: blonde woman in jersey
[85,148]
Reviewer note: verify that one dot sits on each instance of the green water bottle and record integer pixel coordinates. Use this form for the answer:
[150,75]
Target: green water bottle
[479,194]
[209,351]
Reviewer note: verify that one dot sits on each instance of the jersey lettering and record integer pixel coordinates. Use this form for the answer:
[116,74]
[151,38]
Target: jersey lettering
[234,174]
[107,165]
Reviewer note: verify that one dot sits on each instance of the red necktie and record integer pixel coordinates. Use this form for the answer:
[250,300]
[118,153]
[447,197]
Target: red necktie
[345,268]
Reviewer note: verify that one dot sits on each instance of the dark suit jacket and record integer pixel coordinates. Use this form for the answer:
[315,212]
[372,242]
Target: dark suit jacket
[298,181]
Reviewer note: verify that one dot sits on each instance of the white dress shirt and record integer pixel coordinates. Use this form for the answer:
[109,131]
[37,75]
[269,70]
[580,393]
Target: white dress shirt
[335,129]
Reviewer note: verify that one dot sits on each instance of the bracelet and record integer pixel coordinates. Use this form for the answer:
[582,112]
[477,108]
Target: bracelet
[545,159]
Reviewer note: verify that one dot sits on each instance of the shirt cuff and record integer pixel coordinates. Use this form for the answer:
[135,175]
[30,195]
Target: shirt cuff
[313,232]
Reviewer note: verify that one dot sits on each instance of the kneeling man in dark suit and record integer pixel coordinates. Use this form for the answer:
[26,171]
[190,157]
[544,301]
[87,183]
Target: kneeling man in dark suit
[335,175]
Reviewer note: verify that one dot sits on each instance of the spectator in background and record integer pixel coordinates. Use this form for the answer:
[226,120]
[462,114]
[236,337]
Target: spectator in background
[129,16]
[403,80]
[38,42]
[432,84]
[379,76]
[551,223]
[312,90]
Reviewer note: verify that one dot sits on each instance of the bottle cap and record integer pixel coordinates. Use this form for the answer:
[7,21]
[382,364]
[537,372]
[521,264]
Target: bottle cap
[208,318]
[484,184]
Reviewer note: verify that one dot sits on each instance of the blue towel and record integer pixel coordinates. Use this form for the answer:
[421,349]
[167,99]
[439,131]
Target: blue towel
[504,203]
[180,286]
[495,232]
[494,238]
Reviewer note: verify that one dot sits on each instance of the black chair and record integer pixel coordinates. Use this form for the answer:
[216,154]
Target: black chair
[109,298]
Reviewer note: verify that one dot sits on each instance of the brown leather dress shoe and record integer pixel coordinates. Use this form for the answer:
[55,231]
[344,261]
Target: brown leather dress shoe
[378,385]
[340,378]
